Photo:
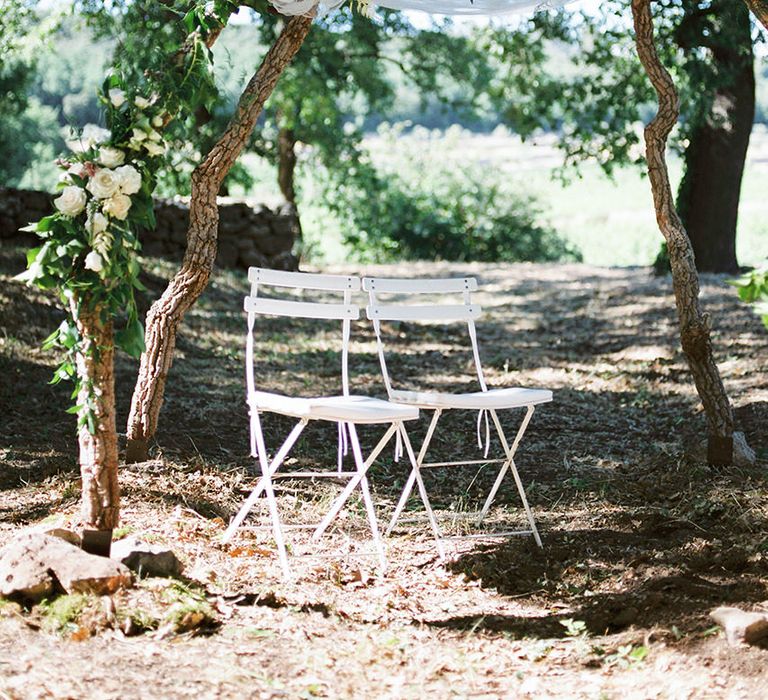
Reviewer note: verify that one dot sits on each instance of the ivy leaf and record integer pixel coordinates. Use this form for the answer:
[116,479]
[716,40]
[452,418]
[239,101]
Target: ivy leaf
[131,338]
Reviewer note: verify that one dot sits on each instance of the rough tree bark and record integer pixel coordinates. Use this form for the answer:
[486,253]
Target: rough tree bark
[708,202]
[286,172]
[98,451]
[167,312]
[760,10]
[286,163]
[694,325]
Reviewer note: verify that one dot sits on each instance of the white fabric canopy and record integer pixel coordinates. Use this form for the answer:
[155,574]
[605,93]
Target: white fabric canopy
[435,7]
[465,7]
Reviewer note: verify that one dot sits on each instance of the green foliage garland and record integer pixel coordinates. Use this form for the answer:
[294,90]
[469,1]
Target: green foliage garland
[89,244]
[89,250]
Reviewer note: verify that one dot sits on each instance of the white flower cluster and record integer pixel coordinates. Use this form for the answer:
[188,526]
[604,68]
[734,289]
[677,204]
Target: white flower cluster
[144,135]
[109,181]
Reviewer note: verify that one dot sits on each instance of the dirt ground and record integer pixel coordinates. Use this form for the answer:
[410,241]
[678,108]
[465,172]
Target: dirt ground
[641,538]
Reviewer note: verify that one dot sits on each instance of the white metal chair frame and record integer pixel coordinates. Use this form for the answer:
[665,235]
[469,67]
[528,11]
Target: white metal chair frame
[346,410]
[486,401]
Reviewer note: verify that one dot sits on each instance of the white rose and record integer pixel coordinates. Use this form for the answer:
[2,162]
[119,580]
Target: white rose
[116,97]
[153,135]
[138,135]
[111,157]
[129,179]
[103,184]
[154,149]
[96,223]
[117,205]
[157,121]
[142,102]
[72,200]
[94,262]
[93,134]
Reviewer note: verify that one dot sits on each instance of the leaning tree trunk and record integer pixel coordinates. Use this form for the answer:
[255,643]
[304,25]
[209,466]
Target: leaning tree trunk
[98,450]
[167,312]
[760,9]
[694,325]
[708,201]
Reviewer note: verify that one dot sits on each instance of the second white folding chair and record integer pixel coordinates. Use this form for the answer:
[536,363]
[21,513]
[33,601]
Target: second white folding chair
[346,410]
[486,401]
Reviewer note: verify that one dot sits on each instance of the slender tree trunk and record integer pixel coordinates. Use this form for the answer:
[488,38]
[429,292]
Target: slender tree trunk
[286,163]
[708,201]
[167,312]
[694,325]
[98,451]
[286,169]
[760,10]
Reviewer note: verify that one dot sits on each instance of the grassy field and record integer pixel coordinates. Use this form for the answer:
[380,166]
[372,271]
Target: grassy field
[610,221]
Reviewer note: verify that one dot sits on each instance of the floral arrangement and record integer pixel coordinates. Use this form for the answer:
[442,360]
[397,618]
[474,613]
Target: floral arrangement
[89,244]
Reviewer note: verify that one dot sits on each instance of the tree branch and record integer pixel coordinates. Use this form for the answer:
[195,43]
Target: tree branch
[760,10]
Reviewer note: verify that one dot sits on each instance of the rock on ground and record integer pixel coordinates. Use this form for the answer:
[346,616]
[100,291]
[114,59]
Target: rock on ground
[34,565]
[146,559]
[741,627]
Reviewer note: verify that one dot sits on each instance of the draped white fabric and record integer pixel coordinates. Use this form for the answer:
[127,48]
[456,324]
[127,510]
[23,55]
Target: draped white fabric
[435,7]
[467,7]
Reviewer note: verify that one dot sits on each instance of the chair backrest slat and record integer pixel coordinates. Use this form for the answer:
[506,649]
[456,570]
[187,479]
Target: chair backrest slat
[423,312]
[397,311]
[301,309]
[303,280]
[295,308]
[419,286]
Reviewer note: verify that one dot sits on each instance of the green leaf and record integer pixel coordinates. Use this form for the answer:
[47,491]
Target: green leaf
[46,223]
[131,338]
[32,254]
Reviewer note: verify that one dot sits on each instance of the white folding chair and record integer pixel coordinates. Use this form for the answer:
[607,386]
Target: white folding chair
[346,410]
[486,401]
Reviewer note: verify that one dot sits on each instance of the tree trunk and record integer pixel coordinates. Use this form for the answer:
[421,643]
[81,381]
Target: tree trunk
[694,325]
[708,201]
[286,163]
[760,10]
[286,168]
[167,312]
[98,451]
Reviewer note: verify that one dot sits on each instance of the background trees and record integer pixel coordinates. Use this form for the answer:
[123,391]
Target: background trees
[28,133]
[598,98]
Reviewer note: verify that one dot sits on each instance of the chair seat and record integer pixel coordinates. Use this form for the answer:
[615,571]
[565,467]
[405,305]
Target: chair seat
[352,409]
[512,397]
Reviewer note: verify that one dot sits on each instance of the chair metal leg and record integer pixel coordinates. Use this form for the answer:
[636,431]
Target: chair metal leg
[422,489]
[261,485]
[412,476]
[362,468]
[277,529]
[352,483]
[510,464]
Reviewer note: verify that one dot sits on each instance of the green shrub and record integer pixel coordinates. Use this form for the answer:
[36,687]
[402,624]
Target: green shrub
[421,206]
[753,289]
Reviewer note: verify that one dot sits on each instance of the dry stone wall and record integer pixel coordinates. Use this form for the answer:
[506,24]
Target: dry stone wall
[248,235]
